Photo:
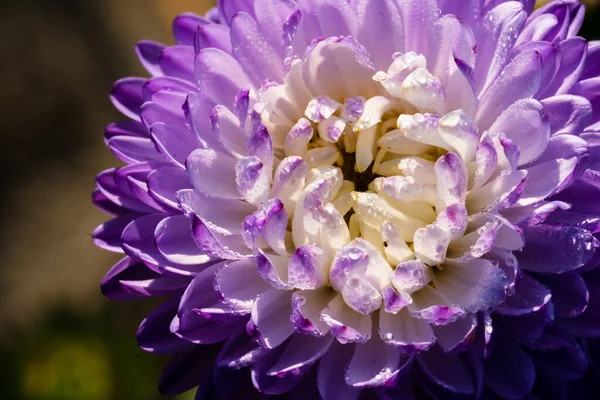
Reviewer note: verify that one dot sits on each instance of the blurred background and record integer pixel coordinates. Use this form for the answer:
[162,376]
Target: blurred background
[59,338]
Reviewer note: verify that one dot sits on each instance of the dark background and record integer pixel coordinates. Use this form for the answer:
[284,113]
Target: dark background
[59,338]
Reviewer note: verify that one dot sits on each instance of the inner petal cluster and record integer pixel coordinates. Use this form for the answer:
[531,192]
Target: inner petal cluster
[387,201]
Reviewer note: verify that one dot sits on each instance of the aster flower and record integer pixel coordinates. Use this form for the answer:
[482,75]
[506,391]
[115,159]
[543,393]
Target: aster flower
[387,198]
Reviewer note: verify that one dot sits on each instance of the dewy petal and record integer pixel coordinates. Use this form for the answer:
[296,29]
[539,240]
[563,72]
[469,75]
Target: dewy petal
[307,268]
[556,249]
[346,324]
[424,91]
[405,332]
[213,173]
[496,35]
[380,29]
[360,295]
[270,323]
[567,113]
[396,249]
[433,306]
[252,179]
[239,284]
[375,364]
[456,336]
[269,222]
[520,79]
[338,68]
[300,353]
[452,181]
[459,131]
[307,306]
[476,285]
[253,50]
[527,126]
[374,211]
[360,258]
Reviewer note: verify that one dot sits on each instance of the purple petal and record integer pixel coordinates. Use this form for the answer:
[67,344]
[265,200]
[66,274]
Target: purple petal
[185,26]
[239,351]
[432,306]
[346,324]
[197,109]
[148,53]
[331,375]
[213,173]
[187,369]
[239,284]
[375,364]
[126,269]
[380,30]
[405,332]
[569,294]
[474,285]
[108,235]
[270,323]
[568,362]
[325,18]
[108,187]
[270,223]
[300,353]
[164,183]
[567,113]
[252,49]
[167,83]
[227,128]
[133,149]
[307,306]
[271,15]
[584,325]
[419,32]
[548,178]
[178,61]
[213,35]
[272,268]
[528,118]
[447,370]
[175,144]
[252,178]
[272,385]
[590,88]
[592,65]
[556,249]
[530,296]
[126,96]
[154,335]
[215,244]
[573,54]
[520,79]
[496,36]
[509,371]
[458,335]
[125,128]
[173,236]
[228,9]
[219,76]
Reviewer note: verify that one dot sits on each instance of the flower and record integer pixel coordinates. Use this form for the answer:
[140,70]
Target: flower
[389,197]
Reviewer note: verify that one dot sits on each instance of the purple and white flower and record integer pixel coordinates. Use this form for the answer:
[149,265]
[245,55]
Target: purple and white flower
[344,198]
